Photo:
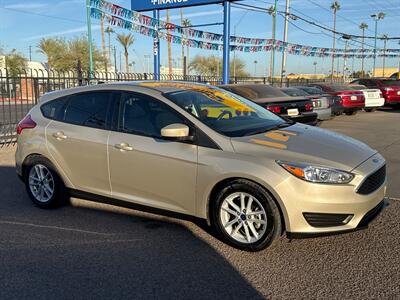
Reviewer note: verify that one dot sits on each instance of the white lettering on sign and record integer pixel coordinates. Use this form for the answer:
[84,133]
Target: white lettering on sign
[159,2]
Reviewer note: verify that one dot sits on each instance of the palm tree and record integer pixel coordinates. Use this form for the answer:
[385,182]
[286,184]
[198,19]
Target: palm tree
[363,27]
[385,38]
[50,47]
[335,7]
[109,30]
[186,23]
[126,41]
[169,46]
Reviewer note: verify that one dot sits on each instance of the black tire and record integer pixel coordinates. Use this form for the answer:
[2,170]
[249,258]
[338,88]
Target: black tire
[60,195]
[351,113]
[274,221]
[370,109]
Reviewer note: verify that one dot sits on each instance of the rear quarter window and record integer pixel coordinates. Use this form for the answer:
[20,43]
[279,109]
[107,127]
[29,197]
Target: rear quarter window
[88,109]
[53,109]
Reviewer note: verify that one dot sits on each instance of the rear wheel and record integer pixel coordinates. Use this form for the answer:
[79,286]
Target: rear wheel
[44,186]
[370,109]
[246,216]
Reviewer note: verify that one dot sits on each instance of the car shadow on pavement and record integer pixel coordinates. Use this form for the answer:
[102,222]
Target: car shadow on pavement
[98,251]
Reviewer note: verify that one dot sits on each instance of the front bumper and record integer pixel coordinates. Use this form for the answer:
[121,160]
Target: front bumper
[300,197]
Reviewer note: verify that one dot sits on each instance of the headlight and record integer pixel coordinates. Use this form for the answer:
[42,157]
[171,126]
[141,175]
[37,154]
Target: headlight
[317,174]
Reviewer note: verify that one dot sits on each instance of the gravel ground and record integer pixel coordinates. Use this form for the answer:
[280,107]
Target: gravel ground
[91,250]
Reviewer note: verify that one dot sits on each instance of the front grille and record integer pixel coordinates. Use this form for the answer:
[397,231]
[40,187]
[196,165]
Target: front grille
[373,182]
[327,220]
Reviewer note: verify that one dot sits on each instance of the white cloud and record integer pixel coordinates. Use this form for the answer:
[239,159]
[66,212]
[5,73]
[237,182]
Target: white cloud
[61,33]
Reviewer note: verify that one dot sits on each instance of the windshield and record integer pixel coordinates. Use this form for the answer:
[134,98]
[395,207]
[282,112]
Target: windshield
[310,90]
[294,92]
[391,82]
[340,88]
[255,91]
[357,87]
[225,112]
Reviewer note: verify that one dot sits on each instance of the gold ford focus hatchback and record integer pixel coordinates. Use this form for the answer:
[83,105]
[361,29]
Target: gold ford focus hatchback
[197,150]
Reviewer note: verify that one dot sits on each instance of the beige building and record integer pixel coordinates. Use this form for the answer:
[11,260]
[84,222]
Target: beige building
[379,72]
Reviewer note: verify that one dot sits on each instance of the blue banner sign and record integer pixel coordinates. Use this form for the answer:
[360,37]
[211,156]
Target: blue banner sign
[144,5]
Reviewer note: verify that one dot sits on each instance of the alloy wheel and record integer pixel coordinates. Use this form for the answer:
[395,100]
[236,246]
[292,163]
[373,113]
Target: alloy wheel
[243,217]
[41,183]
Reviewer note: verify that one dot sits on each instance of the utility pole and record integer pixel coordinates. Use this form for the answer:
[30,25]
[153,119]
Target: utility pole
[385,37]
[272,60]
[285,38]
[345,62]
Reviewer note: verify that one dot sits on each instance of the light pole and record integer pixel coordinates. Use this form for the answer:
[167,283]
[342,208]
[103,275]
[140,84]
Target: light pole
[255,68]
[376,17]
[346,38]
[315,68]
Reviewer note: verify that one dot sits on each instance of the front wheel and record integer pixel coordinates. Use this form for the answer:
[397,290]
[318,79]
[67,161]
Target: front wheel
[44,186]
[246,216]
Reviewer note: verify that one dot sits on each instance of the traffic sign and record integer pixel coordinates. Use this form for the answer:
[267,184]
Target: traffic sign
[145,5]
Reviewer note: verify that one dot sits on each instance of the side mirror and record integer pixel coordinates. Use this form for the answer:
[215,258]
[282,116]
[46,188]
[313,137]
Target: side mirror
[176,132]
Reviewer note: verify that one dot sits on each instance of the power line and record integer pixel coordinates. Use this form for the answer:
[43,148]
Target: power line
[339,16]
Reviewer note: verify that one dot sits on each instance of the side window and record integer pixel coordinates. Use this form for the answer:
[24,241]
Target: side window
[88,109]
[52,109]
[142,115]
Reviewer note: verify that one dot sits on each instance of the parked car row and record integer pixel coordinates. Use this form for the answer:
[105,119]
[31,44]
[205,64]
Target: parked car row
[320,101]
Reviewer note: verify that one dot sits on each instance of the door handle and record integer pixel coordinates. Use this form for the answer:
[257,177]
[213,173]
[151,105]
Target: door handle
[123,147]
[59,135]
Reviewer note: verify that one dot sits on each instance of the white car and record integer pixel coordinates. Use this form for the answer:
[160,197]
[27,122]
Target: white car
[373,97]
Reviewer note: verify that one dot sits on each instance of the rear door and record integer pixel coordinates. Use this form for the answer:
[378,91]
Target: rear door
[145,168]
[77,140]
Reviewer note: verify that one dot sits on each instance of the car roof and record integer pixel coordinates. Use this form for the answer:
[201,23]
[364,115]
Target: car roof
[159,86]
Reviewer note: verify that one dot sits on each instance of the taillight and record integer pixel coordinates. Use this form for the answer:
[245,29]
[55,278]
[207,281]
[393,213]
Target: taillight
[274,108]
[25,123]
[308,107]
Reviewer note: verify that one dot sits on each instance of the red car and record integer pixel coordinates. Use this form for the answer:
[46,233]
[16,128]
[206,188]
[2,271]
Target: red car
[351,100]
[390,88]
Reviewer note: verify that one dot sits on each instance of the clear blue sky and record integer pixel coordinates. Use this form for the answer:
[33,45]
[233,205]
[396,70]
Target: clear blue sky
[23,23]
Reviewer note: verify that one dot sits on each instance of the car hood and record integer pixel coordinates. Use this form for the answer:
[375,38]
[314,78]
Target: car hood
[305,144]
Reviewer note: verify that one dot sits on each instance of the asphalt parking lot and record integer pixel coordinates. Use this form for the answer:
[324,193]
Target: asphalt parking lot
[90,250]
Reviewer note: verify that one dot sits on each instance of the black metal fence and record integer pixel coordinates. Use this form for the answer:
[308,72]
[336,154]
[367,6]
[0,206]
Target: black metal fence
[19,92]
